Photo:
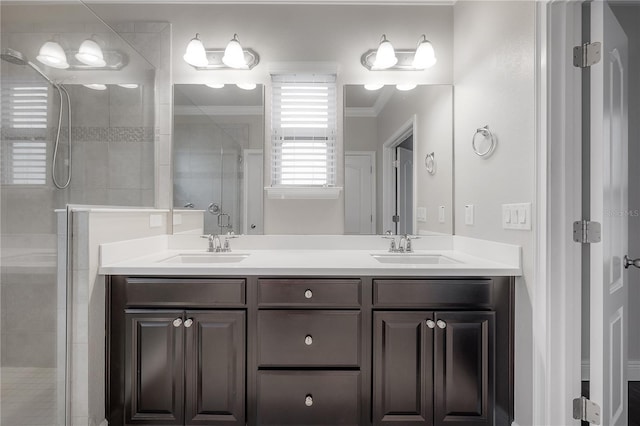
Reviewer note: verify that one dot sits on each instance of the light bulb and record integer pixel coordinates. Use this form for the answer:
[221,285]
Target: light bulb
[90,53]
[234,55]
[425,56]
[96,86]
[373,86]
[195,54]
[406,86]
[247,86]
[128,85]
[385,55]
[52,54]
[215,85]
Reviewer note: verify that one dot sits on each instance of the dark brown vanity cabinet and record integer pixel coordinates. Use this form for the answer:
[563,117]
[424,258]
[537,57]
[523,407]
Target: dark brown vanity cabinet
[176,366]
[433,368]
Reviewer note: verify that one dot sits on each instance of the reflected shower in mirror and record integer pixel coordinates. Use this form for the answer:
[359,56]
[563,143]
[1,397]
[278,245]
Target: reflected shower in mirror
[398,160]
[217,159]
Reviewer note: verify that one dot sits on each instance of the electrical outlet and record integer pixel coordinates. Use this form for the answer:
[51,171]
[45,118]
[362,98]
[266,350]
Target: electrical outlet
[516,216]
[155,221]
[468,214]
[421,214]
[441,214]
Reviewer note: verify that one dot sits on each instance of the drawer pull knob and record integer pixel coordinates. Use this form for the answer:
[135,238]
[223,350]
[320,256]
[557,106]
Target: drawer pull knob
[308,294]
[188,322]
[441,324]
[308,340]
[177,322]
[308,400]
[431,324]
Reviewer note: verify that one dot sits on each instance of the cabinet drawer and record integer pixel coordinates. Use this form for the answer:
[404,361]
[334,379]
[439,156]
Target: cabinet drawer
[298,338]
[184,292]
[308,398]
[433,293]
[309,292]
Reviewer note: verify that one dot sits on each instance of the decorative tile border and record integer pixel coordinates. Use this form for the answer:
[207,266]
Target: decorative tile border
[84,134]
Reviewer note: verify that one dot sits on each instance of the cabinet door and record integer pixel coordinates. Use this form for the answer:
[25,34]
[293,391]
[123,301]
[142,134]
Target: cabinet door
[402,368]
[464,368]
[215,368]
[154,368]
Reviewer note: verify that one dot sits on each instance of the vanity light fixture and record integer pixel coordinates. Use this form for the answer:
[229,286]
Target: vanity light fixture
[385,55]
[247,86]
[90,53]
[231,57]
[196,55]
[385,58]
[96,86]
[425,56]
[404,87]
[53,55]
[373,86]
[215,85]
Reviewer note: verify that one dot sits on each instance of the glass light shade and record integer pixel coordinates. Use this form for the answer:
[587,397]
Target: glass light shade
[425,56]
[128,85]
[52,54]
[96,86]
[195,54]
[215,85]
[385,55]
[90,53]
[247,86]
[406,86]
[373,86]
[234,55]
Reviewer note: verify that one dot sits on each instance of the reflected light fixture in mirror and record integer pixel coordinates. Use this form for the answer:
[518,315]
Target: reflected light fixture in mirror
[247,86]
[215,85]
[195,54]
[52,54]
[425,56]
[234,55]
[128,85]
[96,86]
[385,55]
[404,87]
[90,53]
[373,86]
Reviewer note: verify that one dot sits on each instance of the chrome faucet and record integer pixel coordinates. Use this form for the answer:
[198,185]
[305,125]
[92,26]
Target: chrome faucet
[403,245]
[215,246]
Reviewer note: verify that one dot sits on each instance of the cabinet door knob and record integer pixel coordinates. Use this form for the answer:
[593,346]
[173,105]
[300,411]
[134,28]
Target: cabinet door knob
[308,340]
[188,322]
[441,324]
[308,400]
[308,294]
[177,322]
[431,324]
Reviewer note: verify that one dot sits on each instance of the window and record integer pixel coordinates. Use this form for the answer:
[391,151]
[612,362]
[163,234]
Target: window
[303,135]
[24,149]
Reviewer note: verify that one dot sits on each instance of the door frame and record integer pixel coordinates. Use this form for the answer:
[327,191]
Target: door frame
[388,198]
[557,315]
[372,157]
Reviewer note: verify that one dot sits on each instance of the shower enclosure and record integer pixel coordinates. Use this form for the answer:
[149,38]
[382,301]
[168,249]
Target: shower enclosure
[79,133]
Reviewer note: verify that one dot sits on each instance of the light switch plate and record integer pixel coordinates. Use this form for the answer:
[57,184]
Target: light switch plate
[516,216]
[468,214]
[155,221]
[177,219]
[421,214]
[441,214]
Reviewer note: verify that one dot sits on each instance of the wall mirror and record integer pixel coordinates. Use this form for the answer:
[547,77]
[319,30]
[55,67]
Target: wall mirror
[217,156]
[398,148]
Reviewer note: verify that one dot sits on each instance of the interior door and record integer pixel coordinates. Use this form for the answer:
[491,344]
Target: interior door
[404,191]
[609,206]
[358,190]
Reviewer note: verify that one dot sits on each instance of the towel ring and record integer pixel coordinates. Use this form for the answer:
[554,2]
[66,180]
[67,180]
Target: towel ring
[430,163]
[486,135]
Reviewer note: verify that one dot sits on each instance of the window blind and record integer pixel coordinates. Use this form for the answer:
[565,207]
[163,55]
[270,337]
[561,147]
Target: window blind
[303,123]
[24,157]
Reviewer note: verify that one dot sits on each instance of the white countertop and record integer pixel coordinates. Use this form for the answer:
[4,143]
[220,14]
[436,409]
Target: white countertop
[299,261]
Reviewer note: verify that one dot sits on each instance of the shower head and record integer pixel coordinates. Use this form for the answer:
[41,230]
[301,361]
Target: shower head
[18,58]
[13,56]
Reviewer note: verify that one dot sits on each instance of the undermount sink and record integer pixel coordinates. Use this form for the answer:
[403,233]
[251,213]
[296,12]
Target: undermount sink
[413,259]
[206,258]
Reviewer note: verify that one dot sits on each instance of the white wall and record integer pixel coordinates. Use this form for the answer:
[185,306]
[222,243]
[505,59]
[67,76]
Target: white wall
[494,76]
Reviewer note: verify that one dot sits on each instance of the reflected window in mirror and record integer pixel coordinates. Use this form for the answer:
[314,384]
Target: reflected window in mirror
[218,159]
